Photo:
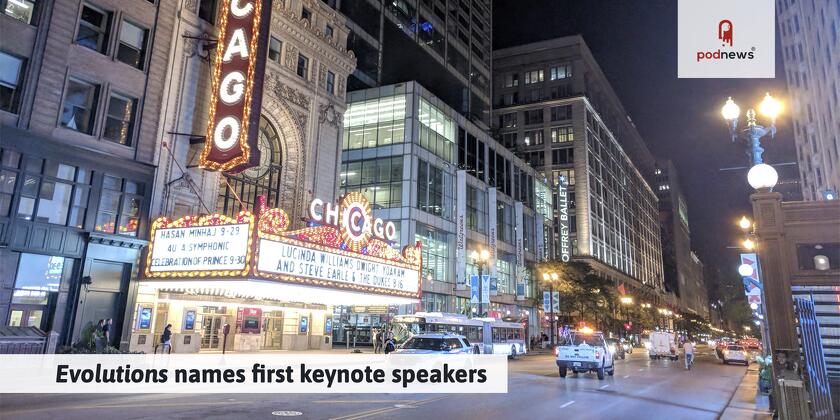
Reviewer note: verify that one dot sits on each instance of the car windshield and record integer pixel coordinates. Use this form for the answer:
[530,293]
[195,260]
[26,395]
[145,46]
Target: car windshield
[426,343]
[736,348]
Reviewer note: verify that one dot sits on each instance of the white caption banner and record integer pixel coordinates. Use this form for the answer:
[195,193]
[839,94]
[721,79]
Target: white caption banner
[200,248]
[286,259]
[253,373]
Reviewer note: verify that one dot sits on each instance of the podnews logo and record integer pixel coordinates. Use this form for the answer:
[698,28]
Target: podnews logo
[725,34]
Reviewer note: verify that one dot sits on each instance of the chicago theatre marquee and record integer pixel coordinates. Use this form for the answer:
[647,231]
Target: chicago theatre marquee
[275,286]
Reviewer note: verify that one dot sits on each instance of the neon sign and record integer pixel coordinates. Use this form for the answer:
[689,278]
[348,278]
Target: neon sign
[233,123]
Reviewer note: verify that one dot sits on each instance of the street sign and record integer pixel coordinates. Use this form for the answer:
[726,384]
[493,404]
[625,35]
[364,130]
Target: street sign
[485,288]
[474,289]
[494,285]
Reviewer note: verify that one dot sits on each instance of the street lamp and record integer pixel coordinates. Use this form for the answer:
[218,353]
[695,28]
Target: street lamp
[745,223]
[761,176]
[749,244]
[745,270]
[480,258]
[551,277]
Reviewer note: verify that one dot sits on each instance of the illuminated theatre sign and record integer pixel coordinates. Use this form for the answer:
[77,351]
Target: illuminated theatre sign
[344,247]
[233,122]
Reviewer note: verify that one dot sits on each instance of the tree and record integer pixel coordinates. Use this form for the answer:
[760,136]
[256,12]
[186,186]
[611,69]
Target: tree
[584,295]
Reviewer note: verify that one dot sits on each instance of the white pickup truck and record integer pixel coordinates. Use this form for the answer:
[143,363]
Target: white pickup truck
[584,351]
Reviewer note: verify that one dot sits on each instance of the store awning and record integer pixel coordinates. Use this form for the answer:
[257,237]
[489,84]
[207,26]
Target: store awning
[246,288]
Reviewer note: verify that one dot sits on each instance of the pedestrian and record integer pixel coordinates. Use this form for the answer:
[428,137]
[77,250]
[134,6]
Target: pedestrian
[376,337]
[389,344]
[688,348]
[166,339]
[106,331]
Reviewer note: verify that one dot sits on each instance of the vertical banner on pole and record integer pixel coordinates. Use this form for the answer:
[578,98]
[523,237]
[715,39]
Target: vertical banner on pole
[461,229]
[485,289]
[520,250]
[491,231]
[474,289]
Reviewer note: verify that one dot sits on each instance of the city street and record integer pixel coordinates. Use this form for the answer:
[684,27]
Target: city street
[641,388]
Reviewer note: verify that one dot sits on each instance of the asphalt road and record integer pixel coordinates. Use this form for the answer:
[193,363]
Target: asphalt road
[640,389]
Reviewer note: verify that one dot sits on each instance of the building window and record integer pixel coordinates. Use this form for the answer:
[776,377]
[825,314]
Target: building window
[534,76]
[512,80]
[328,31]
[476,210]
[533,137]
[306,14]
[562,156]
[434,190]
[275,46]
[437,131]
[132,48]
[241,191]
[11,73]
[207,10]
[435,249]
[534,116]
[22,10]
[330,86]
[562,134]
[9,161]
[560,72]
[79,108]
[52,192]
[303,66]
[380,180]
[119,206]
[507,120]
[504,274]
[509,140]
[504,222]
[93,28]
[561,113]
[376,122]
[119,121]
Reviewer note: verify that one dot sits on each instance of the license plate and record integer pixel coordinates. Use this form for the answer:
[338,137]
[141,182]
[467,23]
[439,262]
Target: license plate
[576,364]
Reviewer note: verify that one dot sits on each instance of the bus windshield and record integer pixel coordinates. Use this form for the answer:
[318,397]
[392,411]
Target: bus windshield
[405,330]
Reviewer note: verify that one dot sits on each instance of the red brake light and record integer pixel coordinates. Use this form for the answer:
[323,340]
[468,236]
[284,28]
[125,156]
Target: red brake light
[597,354]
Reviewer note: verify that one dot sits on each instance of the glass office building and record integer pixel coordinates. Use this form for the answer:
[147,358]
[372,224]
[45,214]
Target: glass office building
[421,163]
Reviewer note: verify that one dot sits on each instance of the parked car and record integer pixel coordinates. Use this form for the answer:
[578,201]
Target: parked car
[584,351]
[436,343]
[735,354]
[616,348]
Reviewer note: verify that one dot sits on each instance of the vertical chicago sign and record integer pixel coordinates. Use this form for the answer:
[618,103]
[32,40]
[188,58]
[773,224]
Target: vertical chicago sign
[233,123]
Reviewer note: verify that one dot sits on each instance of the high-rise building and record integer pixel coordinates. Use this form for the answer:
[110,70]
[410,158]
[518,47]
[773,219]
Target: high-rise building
[81,85]
[453,188]
[682,267]
[445,45]
[555,108]
[810,32]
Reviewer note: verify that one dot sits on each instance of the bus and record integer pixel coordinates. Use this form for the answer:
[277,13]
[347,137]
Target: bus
[486,335]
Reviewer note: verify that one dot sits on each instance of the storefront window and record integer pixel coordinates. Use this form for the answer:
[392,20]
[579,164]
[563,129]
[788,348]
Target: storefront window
[377,122]
[504,273]
[37,276]
[435,249]
[380,180]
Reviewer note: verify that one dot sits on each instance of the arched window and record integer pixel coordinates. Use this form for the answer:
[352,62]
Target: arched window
[260,180]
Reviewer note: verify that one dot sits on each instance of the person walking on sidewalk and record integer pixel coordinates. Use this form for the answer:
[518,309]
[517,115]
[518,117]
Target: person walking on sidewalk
[377,340]
[166,339]
[688,348]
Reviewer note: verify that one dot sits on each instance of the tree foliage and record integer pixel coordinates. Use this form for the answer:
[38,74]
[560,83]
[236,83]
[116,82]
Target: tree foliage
[584,295]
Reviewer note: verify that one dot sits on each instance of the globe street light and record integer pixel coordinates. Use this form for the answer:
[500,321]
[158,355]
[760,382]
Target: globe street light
[749,244]
[762,177]
[745,223]
[745,270]
[551,277]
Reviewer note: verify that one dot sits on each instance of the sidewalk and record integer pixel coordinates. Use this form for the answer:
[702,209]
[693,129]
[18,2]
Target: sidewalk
[746,402]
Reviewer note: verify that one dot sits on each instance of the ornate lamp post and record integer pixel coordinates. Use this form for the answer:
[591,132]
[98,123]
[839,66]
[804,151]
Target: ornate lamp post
[480,258]
[761,176]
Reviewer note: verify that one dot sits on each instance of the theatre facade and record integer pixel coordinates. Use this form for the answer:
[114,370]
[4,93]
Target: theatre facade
[250,282]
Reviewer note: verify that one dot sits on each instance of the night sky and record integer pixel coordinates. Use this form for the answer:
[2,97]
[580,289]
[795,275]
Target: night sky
[635,43]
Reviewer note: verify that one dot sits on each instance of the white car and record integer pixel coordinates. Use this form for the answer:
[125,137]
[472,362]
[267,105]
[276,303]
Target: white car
[584,351]
[436,343]
[735,354]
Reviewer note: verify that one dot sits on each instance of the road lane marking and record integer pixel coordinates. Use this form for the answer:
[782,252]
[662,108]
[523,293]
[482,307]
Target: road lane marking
[604,386]
[374,412]
[626,376]
[641,369]
[286,413]
[567,404]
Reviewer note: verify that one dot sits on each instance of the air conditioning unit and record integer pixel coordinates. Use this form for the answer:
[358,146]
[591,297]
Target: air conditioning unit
[794,400]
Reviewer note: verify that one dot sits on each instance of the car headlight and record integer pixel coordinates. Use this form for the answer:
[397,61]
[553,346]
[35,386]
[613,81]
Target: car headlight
[648,345]
[612,348]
